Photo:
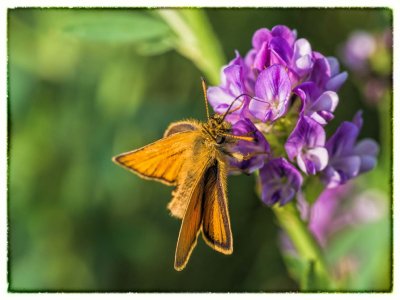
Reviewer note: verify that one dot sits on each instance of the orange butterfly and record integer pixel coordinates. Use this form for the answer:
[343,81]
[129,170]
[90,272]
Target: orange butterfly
[192,156]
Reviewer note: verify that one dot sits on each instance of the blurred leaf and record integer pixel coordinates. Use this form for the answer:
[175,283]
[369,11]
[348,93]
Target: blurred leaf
[381,61]
[304,272]
[115,26]
[296,267]
[155,47]
[311,277]
[368,246]
[196,39]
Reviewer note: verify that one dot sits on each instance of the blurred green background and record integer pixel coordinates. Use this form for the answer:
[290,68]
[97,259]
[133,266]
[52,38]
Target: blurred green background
[77,222]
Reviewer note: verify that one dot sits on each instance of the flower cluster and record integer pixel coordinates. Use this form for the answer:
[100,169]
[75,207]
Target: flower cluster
[287,95]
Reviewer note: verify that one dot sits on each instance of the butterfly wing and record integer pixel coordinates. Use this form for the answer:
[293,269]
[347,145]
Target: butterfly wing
[185,125]
[191,193]
[161,160]
[216,225]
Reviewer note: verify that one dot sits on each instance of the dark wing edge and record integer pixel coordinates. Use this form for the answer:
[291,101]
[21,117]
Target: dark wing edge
[182,126]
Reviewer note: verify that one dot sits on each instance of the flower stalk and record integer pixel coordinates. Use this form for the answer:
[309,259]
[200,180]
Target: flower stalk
[289,219]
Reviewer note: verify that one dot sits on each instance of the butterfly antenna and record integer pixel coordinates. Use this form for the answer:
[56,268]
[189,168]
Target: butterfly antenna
[204,85]
[230,106]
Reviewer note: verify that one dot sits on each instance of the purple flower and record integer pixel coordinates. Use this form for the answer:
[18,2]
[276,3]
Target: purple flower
[279,46]
[346,158]
[306,144]
[280,181]
[337,208]
[232,86]
[319,107]
[302,57]
[323,216]
[272,91]
[276,51]
[272,47]
[277,67]
[359,47]
[374,90]
[259,147]
[325,73]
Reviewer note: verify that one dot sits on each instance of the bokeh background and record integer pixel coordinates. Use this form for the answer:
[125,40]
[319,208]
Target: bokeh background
[78,222]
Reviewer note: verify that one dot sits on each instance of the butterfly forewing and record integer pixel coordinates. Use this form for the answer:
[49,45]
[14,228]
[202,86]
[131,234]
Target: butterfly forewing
[161,160]
[216,225]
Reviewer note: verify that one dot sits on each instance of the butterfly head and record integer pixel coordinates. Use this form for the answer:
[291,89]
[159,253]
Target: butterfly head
[217,128]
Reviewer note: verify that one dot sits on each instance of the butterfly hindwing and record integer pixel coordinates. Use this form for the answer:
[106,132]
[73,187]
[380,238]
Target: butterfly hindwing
[181,126]
[206,211]
[192,192]
[216,225]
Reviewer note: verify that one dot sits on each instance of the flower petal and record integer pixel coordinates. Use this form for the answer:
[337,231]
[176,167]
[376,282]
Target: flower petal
[366,147]
[245,127]
[260,36]
[302,57]
[280,181]
[342,141]
[327,101]
[358,119]
[219,98]
[273,86]
[302,47]
[333,65]
[308,92]
[285,33]
[303,65]
[348,166]
[368,162]
[281,52]
[336,81]
[331,177]
[306,135]
[313,161]
[320,72]
[262,57]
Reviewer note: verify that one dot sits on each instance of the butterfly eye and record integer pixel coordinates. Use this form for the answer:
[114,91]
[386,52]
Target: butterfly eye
[220,139]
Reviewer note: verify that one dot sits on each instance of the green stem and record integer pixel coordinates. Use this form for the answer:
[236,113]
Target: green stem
[305,244]
[196,40]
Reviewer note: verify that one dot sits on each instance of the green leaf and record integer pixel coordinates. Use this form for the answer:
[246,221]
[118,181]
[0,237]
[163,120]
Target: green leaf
[155,47]
[311,280]
[369,246]
[114,26]
[296,267]
[303,271]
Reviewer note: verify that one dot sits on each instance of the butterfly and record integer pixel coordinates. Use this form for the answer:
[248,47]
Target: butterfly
[193,156]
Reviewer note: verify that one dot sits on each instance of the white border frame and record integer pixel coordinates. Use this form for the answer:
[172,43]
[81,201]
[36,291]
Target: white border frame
[5,5]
